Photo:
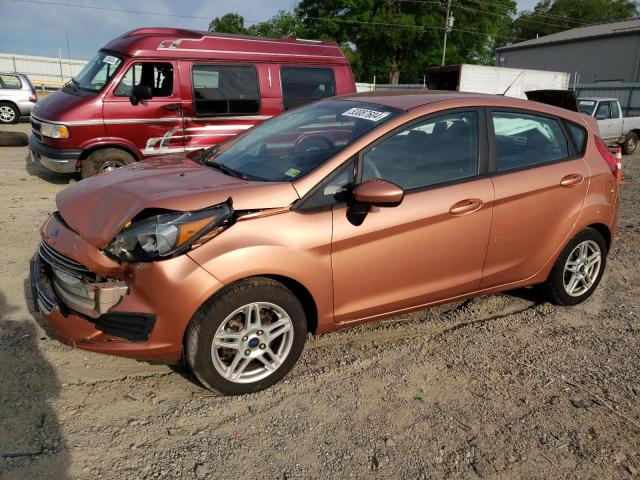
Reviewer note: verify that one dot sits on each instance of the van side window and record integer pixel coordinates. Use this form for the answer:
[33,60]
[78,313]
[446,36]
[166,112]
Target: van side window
[10,82]
[304,85]
[159,76]
[526,140]
[225,90]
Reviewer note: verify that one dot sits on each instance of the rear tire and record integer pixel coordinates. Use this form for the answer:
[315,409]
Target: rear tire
[9,113]
[578,269]
[105,160]
[263,355]
[630,144]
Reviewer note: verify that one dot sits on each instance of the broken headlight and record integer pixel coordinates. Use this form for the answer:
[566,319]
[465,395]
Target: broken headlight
[167,234]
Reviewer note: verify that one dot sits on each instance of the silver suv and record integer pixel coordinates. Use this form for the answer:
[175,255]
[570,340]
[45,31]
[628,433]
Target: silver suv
[17,97]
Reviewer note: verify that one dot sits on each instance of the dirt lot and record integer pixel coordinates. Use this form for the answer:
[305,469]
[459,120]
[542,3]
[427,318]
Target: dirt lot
[495,387]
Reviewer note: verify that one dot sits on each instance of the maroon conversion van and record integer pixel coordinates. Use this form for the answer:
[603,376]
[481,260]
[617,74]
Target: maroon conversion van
[155,91]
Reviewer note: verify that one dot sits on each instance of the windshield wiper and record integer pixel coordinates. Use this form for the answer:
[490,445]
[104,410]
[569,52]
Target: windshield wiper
[224,169]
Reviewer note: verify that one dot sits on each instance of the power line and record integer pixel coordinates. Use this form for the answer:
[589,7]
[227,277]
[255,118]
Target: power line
[502,15]
[558,17]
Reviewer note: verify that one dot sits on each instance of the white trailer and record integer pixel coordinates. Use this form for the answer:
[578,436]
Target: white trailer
[512,82]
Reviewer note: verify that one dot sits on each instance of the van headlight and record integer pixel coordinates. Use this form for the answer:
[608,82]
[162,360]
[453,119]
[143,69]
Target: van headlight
[168,234]
[54,130]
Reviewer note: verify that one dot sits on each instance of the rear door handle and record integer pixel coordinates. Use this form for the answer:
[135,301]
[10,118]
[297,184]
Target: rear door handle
[571,180]
[173,107]
[463,207]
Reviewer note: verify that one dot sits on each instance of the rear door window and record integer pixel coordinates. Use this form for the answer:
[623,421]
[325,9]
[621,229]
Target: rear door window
[159,76]
[225,89]
[11,82]
[304,85]
[527,140]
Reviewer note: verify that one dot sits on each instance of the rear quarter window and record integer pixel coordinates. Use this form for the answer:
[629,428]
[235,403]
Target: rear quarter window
[579,135]
[302,85]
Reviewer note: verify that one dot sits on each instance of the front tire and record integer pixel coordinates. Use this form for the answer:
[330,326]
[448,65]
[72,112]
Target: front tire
[630,144]
[247,337]
[105,160]
[578,269]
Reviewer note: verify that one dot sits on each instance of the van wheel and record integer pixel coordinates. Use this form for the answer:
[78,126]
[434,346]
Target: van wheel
[630,144]
[105,160]
[8,113]
[247,337]
[578,270]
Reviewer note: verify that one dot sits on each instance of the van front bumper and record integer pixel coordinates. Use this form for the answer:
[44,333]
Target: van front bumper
[61,160]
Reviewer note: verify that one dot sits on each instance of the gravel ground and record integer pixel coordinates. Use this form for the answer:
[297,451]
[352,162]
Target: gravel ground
[495,387]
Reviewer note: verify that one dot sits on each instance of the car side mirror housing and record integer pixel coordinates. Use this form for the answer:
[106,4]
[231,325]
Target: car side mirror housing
[378,192]
[140,92]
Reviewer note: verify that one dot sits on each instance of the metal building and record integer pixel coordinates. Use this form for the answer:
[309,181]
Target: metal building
[607,52]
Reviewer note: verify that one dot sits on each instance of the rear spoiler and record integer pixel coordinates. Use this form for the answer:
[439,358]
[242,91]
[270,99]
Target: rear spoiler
[558,98]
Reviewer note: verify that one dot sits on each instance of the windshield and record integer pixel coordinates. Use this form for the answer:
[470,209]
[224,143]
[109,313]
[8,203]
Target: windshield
[586,106]
[96,73]
[295,143]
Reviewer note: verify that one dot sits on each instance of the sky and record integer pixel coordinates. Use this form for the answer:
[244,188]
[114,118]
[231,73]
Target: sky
[40,27]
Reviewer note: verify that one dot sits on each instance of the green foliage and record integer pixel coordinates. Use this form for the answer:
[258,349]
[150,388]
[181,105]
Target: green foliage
[282,25]
[228,23]
[551,16]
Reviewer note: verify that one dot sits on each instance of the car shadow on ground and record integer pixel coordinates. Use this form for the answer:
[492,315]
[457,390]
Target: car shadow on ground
[34,169]
[31,442]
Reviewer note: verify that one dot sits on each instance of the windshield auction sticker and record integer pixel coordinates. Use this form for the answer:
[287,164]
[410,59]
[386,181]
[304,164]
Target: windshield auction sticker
[366,114]
[110,60]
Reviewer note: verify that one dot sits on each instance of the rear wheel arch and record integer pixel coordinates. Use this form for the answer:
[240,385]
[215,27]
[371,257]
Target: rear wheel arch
[603,230]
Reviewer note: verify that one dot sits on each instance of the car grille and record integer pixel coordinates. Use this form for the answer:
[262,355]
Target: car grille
[59,261]
[35,129]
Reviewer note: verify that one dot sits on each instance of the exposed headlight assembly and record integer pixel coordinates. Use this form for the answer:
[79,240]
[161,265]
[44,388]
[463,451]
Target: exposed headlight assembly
[54,130]
[168,234]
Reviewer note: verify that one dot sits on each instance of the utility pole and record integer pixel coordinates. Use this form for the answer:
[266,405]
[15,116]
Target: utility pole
[448,23]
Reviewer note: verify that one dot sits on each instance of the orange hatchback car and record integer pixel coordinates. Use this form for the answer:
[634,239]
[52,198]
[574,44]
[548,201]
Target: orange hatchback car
[340,212]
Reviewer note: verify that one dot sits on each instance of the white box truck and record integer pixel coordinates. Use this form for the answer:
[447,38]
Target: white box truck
[512,82]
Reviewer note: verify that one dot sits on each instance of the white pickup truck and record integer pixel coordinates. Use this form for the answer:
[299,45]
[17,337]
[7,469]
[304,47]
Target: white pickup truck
[614,128]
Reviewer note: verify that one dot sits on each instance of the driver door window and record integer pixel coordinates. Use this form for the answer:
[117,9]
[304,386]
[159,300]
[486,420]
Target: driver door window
[438,150]
[158,76]
[603,111]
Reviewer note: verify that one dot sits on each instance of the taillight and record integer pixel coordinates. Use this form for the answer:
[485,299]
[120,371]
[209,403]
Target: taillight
[607,155]
[32,97]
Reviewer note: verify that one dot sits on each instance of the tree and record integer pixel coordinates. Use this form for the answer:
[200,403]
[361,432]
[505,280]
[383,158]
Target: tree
[551,16]
[401,39]
[282,25]
[228,23]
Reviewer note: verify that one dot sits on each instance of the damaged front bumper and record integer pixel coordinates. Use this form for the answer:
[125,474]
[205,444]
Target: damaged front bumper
[136,310]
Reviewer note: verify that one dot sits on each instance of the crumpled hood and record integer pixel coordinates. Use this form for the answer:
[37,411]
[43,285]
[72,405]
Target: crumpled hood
[98,208]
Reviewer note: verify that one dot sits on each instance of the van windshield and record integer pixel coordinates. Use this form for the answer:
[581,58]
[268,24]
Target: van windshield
[293,144]
[95,74]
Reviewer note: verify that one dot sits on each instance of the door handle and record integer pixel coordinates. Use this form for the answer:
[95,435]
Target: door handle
[173,107]
[463,207]
[571,180]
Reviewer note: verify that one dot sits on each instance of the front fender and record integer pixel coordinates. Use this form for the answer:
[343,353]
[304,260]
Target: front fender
[294,245]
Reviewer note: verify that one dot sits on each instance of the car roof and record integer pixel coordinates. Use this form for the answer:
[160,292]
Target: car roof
[408,99]
[182,43]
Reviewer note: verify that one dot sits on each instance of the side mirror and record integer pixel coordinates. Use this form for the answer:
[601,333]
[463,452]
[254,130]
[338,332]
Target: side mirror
[379,192]
[140,92]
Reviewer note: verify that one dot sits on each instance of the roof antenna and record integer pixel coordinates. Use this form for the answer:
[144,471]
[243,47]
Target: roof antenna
[511,84]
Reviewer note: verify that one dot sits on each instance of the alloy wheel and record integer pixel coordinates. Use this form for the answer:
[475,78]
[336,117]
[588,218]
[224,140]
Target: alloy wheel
[252,342]
[582,268]
[7,114]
